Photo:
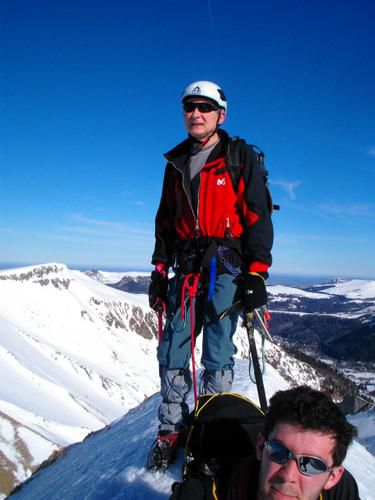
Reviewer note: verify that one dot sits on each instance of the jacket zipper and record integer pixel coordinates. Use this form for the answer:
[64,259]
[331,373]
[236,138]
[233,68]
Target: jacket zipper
[228,235]
[197,230]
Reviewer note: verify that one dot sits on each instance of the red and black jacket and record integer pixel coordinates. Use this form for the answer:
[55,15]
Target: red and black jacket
[220,204]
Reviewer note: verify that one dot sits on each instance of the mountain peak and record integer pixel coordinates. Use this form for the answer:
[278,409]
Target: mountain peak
[45,274]
[337,281]
[40,270]
[95,274]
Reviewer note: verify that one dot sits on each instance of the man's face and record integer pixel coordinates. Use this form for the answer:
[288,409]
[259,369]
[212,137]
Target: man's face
[285,482]
[202,125]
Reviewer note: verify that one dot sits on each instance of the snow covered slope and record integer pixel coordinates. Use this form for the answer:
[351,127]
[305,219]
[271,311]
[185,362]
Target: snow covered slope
[282,293]
[110,464]
[354,289]
[110,277]
[74,355]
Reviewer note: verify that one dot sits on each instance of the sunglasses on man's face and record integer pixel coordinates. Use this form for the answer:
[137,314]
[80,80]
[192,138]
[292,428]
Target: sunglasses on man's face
[307,464]
[202,107]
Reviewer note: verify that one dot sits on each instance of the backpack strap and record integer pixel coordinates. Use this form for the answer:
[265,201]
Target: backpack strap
[233,160]
[201,487]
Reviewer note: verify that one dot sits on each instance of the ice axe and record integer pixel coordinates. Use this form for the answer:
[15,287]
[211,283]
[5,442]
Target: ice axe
[262,320]
[249,321]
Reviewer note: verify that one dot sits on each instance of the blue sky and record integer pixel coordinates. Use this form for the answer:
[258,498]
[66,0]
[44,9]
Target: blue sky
[90,100]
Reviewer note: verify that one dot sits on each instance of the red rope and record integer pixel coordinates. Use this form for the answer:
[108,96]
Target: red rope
[192,288]
[192,326]
[160,319]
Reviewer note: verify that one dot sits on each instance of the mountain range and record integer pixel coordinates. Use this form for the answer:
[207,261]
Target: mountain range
[336,318]
[77,354]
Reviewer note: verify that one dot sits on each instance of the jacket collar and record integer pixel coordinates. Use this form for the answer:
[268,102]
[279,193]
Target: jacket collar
[180,153]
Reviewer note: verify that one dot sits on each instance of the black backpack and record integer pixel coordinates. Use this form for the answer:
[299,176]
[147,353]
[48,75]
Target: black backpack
[236,146]
[223,430]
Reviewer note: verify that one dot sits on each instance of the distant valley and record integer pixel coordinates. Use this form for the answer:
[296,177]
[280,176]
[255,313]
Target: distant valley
[314,317]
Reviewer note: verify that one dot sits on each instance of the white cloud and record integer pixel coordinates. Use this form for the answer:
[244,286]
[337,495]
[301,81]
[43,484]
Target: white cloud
[371,151]
[89,226]
[288,187]
[352,209]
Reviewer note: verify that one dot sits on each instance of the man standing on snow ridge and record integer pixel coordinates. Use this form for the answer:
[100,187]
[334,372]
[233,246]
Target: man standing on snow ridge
[209,228]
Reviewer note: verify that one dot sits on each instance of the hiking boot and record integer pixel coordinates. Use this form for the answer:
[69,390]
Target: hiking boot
[163,450]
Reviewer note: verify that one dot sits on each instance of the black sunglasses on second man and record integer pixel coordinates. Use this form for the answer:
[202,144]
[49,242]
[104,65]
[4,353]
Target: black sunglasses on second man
[202,107]
[307,464]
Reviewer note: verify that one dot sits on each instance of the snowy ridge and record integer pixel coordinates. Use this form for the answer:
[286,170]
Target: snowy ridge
[114,277]
[110,464]
[286,291]
[354,289]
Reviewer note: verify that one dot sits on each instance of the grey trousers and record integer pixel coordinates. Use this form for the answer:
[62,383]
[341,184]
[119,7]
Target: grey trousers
[175,387]
[174,350]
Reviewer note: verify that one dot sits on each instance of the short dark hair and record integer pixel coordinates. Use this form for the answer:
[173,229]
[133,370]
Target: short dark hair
[311,410]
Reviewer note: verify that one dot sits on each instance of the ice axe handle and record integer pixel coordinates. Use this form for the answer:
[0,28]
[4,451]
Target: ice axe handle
[229,310]
[249,323]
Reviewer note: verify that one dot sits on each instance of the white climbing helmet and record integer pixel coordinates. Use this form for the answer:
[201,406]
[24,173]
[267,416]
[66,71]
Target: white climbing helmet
[206,89]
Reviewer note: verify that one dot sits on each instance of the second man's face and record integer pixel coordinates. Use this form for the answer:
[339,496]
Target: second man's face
[282,482]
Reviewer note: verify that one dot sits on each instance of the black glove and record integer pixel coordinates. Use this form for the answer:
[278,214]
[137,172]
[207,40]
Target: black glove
[252,292]
[157,292]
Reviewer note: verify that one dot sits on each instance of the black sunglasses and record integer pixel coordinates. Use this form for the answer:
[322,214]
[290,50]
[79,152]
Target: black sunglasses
[307,464]
[203,107]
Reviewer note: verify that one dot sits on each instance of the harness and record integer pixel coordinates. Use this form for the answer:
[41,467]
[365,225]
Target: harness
[196,255]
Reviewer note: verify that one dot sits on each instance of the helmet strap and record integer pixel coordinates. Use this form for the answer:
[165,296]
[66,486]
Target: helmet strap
[197,144]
